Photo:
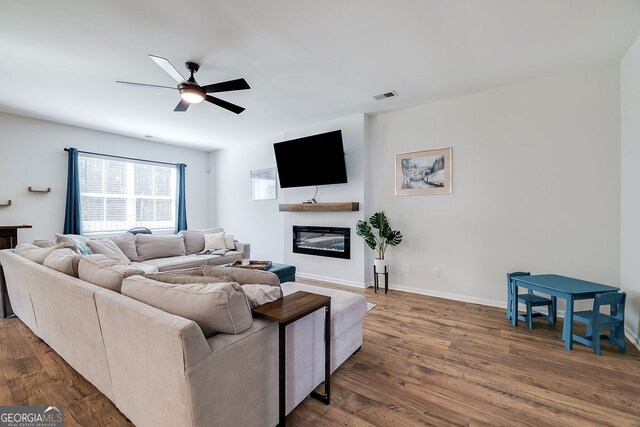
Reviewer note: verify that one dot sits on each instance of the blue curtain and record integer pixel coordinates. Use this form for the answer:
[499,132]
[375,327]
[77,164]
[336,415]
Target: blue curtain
[73,216]
[181,217]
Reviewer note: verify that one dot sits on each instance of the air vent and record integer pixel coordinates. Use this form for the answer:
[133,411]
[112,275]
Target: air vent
[386,95]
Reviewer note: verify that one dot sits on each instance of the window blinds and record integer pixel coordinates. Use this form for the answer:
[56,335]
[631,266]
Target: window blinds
[117,195]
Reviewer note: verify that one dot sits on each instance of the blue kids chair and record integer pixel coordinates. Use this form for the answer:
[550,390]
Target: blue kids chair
[596,320]
[530,300]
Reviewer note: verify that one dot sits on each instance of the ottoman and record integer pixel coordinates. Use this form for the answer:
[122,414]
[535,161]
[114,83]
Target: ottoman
[305,339]
[286,273]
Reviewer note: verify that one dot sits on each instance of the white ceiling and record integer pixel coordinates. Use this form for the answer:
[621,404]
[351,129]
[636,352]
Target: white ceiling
[306,60]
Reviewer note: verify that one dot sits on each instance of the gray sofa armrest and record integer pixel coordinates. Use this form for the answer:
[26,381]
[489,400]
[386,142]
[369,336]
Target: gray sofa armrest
[237,384]
[245,248]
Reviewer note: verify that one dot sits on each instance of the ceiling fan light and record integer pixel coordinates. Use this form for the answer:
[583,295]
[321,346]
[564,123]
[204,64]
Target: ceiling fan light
[192,95]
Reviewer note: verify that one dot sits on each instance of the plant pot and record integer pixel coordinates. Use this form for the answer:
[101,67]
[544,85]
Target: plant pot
[380,265]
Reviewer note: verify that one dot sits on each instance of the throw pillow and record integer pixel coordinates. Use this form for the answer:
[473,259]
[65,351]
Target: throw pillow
[105,272]
[127,244]
[63,260]
[109,248]
[258,295]
[229,243]
[36,254]
[150,246]
[72,239]
[215,307]
[193,241]
[84,249]
[214,241]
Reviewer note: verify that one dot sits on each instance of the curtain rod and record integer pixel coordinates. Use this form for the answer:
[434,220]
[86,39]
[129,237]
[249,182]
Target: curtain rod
[126,158]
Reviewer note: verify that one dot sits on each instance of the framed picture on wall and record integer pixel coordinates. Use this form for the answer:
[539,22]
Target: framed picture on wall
[263,184]
[423,172]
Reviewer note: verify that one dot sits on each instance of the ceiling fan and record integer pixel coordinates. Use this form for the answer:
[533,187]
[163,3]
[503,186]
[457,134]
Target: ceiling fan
[190,91]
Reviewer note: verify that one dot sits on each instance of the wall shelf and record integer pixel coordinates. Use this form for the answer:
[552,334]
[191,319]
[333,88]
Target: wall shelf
[6,204]
[321,207]
[36,190]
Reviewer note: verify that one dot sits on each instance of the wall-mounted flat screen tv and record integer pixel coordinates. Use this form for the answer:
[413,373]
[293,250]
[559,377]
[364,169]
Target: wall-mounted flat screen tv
[312,160]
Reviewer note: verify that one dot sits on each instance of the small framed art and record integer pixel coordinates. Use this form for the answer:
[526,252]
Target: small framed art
[423,172]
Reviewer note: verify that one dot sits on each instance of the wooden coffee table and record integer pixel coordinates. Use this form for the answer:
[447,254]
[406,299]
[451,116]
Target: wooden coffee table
[285,311]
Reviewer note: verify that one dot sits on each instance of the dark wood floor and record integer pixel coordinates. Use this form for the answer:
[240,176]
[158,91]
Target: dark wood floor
[424,361]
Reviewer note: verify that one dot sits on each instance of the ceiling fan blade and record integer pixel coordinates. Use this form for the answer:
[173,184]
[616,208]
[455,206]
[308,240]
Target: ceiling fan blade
[182,106]
[170,69]
[146,85]
[224,104]
[238,84]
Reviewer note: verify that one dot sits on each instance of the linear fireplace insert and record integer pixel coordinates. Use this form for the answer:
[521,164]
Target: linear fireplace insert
[334,242]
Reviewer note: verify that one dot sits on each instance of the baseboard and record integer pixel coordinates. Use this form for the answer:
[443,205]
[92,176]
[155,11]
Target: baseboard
[331,280]
[447,295]
[632,337]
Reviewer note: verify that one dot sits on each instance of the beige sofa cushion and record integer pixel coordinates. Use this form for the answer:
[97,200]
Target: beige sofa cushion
[227,258]
[179,262]
[147,268]
[151,246]
[37,254]
[193,241]
[215,307]
[105,272]
[127,244]
[243,276]
[64,260]
[108,248]
[44,243]
[184,279]
[194,271]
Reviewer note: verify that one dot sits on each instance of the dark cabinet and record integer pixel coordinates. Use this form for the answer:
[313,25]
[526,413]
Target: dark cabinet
[8,240]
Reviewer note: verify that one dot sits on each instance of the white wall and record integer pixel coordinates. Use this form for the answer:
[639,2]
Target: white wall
[270,231]
[255,221]
[535,185]
[630,188]
[345,271]
[31,154]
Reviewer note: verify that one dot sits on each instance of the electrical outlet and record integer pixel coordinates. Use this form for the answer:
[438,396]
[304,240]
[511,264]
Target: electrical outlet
[406,268]
[436,272]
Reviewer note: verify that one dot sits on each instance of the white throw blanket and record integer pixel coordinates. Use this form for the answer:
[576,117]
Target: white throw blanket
[258,295]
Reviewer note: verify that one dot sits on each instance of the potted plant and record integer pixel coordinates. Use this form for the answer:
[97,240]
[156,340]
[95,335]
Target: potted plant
[386,237]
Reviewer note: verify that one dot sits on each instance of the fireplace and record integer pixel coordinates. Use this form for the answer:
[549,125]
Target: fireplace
[334,242]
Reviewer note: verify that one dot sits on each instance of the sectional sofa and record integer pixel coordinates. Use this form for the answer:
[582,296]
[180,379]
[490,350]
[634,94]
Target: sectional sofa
[151,252]
[159,368]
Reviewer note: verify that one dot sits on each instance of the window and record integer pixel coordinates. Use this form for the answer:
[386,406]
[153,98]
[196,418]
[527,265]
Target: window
[117,195]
